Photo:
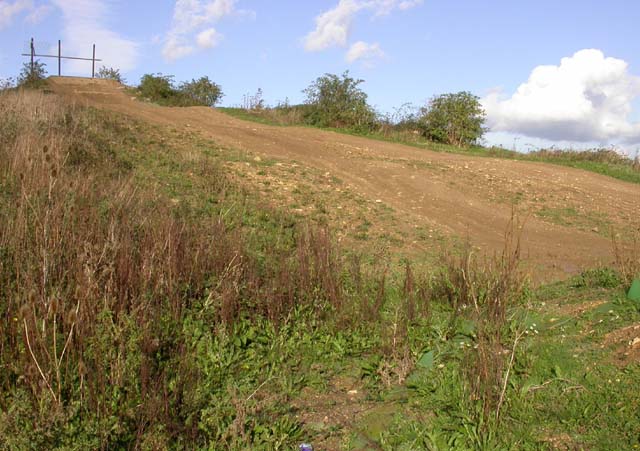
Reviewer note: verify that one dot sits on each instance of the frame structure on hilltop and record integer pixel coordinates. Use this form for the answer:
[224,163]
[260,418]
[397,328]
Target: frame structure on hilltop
[59,57]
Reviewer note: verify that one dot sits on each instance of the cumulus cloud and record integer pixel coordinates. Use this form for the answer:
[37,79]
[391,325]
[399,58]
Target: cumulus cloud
[587,98]
[189,16]
[38,14]
[208,39]
[333,27]
[85,23]
[9,9]
[384,7]
[368,54]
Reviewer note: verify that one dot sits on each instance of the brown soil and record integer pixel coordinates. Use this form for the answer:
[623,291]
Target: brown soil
[449,194]
[575,310]
[626,342]
[333,411]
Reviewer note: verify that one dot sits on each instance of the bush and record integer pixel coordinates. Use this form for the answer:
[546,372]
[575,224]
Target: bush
[338,102]
[455,119]
[161,89]
[109,73]
[202,91]
[32,77]
[157,87]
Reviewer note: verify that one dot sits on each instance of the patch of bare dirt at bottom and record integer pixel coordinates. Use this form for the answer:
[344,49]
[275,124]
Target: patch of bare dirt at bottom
[333,414]
[626,342]
[579,309]
[562,442]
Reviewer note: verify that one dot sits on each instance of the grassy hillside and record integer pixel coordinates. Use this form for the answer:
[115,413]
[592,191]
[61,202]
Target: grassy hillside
[151,301]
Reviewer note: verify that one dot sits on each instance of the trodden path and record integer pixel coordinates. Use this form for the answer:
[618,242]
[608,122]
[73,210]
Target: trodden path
[456,194]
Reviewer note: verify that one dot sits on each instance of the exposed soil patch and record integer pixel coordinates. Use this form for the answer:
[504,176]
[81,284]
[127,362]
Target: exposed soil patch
[333,412]
[455,195]
[578,309]
[626,343]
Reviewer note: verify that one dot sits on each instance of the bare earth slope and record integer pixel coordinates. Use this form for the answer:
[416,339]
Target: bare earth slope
[455,194]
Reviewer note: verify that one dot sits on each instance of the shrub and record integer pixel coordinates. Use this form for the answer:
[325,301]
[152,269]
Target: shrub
[161,89]
[157,87]
[109,73]
[32,76]
[202,91]
[455,119]
[338,102]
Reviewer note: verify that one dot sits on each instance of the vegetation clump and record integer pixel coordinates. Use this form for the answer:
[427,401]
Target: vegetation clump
[162,89]
[110,73]
[32,75]
[455,119]
[339,102]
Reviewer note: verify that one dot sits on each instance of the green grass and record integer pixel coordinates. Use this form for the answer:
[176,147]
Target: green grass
[570,217]
[620,169]
[566,387]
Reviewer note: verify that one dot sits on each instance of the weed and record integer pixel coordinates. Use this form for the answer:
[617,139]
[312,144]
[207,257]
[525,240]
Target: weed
[486,290]
[626,253]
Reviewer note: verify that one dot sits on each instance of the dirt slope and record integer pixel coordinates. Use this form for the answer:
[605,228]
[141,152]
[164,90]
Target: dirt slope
[571,210]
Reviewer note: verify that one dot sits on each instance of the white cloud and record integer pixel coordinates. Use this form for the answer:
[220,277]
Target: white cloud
[333,27]
[38,14]
[208,39]
[175,48]
[84,25]
[384,7]
[364,52]
[191,15]
[8,10]
[587,98]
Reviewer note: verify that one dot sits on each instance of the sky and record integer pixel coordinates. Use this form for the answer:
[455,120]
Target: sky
[562,72]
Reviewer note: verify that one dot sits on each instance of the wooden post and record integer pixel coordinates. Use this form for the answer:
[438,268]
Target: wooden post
[33,52]
[93,62]
[59,58]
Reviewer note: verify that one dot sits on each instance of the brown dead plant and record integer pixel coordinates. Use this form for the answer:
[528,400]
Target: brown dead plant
[484,289]
[626,253]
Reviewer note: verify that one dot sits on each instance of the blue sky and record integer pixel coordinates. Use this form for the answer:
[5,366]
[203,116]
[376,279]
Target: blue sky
[559,72]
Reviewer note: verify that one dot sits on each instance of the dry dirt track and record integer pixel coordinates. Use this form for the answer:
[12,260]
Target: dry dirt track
[456,194]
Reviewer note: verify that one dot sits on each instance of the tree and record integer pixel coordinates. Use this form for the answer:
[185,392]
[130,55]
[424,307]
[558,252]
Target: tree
[202,91]
[338,102]
[109,73]
[455,119]
[32,76]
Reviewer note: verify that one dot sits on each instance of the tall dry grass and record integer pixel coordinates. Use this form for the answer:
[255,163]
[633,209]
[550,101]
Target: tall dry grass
[626,253]
[484,290]
[98,273]
[600,155]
